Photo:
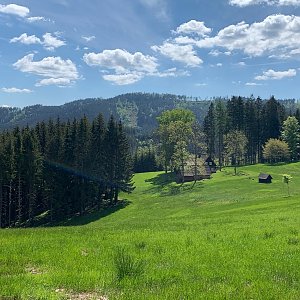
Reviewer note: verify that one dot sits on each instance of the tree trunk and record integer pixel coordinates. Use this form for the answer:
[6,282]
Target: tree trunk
[195,168]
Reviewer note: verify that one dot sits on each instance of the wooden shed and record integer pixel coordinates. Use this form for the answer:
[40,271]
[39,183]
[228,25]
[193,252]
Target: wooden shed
[264,178]
[188,177]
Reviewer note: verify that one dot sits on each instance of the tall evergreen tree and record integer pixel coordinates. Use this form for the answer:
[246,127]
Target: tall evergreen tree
[209,130]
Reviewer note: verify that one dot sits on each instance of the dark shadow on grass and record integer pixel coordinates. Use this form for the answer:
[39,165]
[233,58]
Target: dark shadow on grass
[87,218]
[277,164]
[164,185]
[162,179]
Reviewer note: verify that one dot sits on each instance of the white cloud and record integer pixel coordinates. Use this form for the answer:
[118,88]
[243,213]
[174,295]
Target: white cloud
[54,81]
[276,35]
[56,70]
[181,53]
[193,27]
[123,79]
[276,75]
[184,40]
[37,19]
[219,64]
[201,84]
[128,68]
[244,3]
[121,61]
[241,64]
[26,39]
[14,9]
[253,84]
[173,72]
[14,90]
[217,53]
[49,42]
[88,38]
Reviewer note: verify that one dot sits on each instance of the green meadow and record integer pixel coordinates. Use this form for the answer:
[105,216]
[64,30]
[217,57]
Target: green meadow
[225,238]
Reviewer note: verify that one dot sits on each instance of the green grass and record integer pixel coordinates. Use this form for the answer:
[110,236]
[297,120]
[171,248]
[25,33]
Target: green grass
[225,238]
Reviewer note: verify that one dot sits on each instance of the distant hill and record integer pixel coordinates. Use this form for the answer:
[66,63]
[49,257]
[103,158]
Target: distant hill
[136,110]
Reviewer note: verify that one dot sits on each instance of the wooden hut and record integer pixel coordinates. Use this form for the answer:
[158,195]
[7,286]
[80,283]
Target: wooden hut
[264,178]
[188,177]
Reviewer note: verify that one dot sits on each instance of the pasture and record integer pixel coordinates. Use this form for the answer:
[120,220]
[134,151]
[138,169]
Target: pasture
[224,238]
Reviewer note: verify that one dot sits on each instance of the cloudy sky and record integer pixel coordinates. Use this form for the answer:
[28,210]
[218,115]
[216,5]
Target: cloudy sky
[56,51]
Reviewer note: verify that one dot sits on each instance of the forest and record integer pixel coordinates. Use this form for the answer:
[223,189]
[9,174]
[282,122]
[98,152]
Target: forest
[57,170]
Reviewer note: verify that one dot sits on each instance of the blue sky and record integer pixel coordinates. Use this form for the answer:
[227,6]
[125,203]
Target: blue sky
[56,51]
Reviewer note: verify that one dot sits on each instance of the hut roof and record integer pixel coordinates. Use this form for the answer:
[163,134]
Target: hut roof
[264,176]
[209,160]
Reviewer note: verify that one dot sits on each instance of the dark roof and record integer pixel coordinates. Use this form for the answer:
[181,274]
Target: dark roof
[210,160]
[264,176]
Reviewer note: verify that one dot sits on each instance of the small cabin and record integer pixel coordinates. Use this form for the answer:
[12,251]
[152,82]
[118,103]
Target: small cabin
[210,164]
[188,177]
[264,178]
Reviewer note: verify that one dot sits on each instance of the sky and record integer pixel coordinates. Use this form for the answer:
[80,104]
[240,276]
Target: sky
[57,51]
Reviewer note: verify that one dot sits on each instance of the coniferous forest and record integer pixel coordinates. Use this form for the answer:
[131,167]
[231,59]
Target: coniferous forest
[259,120]
[57,170]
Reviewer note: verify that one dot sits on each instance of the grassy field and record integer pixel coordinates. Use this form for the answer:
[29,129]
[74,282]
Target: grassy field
[224,238]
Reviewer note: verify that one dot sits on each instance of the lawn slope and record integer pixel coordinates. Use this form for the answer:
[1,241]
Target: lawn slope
[224,238]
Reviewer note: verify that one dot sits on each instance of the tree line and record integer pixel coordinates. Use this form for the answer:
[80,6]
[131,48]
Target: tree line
[257,120]
[234,132]
[57,170]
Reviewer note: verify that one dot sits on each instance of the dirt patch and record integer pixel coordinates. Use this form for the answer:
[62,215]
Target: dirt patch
[81,296]
[34,270]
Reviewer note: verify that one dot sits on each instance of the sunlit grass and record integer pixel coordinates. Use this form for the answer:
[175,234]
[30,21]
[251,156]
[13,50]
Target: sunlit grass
[224,238]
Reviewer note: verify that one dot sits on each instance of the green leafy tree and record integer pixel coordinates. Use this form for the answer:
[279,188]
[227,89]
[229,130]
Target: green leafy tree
[174,128]
[235,147]
[276,151]
[286,179]
[290,134]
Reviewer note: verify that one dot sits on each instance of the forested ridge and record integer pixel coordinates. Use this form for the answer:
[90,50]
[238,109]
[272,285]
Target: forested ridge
[57,169]
[135,110]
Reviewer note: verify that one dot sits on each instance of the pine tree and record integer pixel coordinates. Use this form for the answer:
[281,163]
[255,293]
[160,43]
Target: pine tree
[220,125]
[110,142]
[209,130]
[124,164]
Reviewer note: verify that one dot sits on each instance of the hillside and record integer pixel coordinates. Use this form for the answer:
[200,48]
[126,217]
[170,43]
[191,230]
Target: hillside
[224,238]
[136,110]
